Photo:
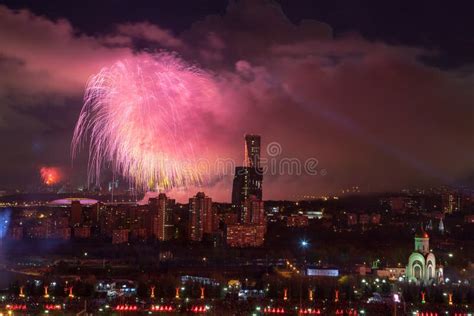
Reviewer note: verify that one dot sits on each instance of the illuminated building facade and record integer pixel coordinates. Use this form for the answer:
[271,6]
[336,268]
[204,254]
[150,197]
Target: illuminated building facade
[297,220]
[162,217]
[451,202]
[249,235]
[252,151]
[201,216]
[252,211]
[248,178]
[247,182]
[421,267]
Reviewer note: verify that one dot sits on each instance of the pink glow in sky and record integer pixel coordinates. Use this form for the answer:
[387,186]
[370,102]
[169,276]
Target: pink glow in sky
[374,114]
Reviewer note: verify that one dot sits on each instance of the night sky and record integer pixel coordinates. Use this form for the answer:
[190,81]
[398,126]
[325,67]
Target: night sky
[379,92]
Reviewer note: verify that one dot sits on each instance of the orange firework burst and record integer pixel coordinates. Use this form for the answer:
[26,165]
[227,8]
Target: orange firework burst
[51,175]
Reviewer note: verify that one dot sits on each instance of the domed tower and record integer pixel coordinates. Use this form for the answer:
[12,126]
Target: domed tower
[421,266]
[422,241]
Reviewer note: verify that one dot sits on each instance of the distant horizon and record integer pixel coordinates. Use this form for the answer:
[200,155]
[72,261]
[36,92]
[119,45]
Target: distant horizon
[88,195]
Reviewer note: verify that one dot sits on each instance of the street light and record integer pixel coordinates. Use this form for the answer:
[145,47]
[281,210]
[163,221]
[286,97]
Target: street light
[304,243]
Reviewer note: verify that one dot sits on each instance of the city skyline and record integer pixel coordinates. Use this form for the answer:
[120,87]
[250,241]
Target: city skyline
[236,157]
[380,110]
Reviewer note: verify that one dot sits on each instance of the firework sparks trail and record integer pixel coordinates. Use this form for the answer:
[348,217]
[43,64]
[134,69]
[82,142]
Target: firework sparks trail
[139,117]
[50,175]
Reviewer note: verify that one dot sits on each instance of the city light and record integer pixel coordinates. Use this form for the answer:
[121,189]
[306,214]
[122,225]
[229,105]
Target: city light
[396,298]
[304,243]
[237,158]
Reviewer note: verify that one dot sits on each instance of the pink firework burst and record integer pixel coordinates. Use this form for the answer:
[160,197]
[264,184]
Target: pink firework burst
[140,117]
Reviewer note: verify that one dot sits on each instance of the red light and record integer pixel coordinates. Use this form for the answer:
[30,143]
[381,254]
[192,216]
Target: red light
[310,311]
[51,307]
[16,307]
[130,308]
[197,309]
[160,308]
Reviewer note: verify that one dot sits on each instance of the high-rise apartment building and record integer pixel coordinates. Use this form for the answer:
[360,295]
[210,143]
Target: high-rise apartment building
[201,217]
[161,217]
[253,211]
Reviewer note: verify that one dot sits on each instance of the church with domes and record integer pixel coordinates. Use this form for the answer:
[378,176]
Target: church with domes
[422,267]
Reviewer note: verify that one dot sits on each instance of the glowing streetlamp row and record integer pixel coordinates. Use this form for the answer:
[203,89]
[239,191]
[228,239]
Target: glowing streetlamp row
[311,295]
[45,293]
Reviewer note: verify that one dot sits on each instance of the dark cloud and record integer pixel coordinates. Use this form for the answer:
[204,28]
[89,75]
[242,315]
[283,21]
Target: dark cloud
[248,30]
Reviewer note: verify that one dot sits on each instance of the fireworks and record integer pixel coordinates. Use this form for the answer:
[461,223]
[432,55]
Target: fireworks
[50,175]
[140,116]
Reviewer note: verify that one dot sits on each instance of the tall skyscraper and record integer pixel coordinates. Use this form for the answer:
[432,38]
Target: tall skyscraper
[252,151]
[201,216]
[248,179]
[162,217]
[247,182]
